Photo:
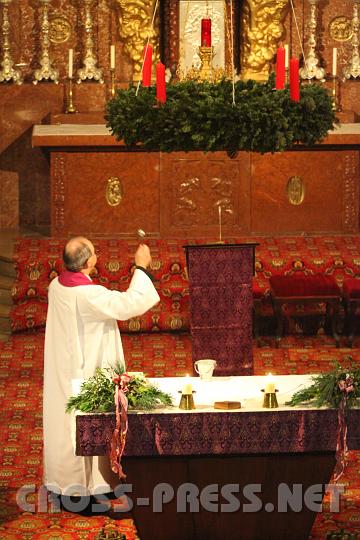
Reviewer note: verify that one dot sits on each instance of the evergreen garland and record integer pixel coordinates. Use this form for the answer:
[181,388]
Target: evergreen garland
[97,393]
[201,116]
[325,389]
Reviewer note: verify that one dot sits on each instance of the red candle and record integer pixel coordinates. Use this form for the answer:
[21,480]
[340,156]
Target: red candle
[206,32]
[280,69]
[160,83]
[146,74]
[294,79]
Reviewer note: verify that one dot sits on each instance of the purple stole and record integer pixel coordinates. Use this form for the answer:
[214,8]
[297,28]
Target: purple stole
[73,279]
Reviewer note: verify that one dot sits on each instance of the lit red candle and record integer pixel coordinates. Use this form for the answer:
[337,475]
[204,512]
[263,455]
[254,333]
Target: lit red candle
[206,32]
[280,69]
[160,83]
[294,79]
[146,74]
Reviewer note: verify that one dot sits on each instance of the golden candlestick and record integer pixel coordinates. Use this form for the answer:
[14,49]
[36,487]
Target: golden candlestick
[112,82]
[70,108]
[270,400]
[352,70]
[90,69]
[206,56]
[336,93]
[187,401]
[46,71]
[311,68]
[7,73]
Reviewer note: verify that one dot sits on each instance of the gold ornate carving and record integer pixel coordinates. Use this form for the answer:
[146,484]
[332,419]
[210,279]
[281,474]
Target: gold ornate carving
[176,323]
[262,28]
[155,264]
[113,191]
[60,29]
[135,29]
[351,192]
[113,266]
[58,197]
[295,190]
[340,29]
[134,324]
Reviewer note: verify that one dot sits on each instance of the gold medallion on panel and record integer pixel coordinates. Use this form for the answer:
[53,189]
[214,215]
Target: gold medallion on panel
[59,29]
[295,190]
[340,29]
[113,191]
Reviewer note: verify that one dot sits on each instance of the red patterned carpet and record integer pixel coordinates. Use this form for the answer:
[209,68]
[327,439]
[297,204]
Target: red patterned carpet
[21,436]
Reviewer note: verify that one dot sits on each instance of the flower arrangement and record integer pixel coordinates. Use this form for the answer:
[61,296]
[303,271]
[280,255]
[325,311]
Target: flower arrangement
[202,116]
[97,392]
[331,389]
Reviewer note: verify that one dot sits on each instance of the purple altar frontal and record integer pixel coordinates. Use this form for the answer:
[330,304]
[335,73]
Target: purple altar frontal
[221,304]
[206,431]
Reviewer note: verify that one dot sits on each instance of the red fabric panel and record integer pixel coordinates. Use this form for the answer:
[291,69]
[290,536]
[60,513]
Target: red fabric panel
[351,288]
[257,290]
[301,285]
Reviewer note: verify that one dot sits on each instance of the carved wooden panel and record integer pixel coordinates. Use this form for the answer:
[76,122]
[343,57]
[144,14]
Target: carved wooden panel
[330,184]
[193,185]
[102,193]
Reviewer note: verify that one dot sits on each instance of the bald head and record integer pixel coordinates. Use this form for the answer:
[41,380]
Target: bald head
[76,254]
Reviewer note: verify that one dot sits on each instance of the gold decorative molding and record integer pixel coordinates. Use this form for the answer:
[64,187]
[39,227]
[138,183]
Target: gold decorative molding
[295,190]
[58,197]
[340,29]
[262,24]
[135,29]
[59,29]
[351,191]
[113,191]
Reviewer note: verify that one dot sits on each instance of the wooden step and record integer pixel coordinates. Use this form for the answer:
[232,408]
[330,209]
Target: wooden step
[5,326]
[5,297]
[4,336]
[6,282]
[4,311]
[7,267]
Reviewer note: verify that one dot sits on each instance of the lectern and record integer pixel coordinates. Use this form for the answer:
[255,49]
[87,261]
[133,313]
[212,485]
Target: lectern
[221,303]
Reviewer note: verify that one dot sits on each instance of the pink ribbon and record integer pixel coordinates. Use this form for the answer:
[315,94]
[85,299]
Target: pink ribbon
[118,439]
[345,386]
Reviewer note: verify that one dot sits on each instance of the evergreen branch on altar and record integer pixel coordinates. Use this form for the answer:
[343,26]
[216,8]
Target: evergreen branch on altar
[328,388]
[202,116]
[97,393]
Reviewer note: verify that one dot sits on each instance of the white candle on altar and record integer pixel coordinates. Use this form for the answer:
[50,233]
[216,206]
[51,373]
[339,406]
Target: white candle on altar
[334,62]
[112,56]
[187,388]
[270,384]
[70,65]
[286,47]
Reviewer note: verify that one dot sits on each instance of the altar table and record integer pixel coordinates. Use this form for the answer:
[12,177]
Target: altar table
[273,449]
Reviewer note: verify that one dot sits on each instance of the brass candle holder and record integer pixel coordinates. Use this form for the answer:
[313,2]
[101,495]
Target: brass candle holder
[336,93]
[7,72]
[89,69]
[46,71]
[187,401]
[112,82]
[206,56]
[220,241]
[270,400]
[70,108]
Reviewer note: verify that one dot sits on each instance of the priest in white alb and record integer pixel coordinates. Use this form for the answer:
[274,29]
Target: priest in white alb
[81,335]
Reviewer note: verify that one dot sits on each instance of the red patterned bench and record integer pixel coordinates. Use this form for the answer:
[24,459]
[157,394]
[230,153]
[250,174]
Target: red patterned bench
[351,295]
[305,289]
